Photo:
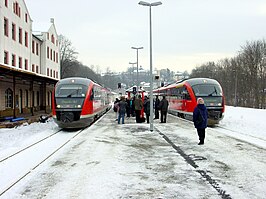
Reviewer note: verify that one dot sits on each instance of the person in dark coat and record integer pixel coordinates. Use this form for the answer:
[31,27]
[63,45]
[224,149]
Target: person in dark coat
[164,108]
[157,107]
[147,108]
[200,119]
[122,110]
[138,106]
[128,107]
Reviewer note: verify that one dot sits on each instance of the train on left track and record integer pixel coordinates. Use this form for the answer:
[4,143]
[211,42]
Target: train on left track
[77,102]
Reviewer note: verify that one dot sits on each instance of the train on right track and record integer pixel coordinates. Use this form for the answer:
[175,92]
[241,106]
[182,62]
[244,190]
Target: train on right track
[182,97]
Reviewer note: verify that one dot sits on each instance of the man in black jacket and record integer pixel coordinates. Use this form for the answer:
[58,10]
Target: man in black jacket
[164,108]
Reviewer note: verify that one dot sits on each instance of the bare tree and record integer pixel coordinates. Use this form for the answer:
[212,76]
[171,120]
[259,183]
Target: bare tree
[68,55]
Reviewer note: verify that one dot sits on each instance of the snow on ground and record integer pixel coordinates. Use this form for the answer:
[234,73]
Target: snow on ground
[109,157]
[245,124]
[242,121]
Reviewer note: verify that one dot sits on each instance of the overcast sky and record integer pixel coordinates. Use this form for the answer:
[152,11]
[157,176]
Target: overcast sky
[185,33]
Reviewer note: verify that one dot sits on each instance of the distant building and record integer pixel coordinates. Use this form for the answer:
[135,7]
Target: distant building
[29,61]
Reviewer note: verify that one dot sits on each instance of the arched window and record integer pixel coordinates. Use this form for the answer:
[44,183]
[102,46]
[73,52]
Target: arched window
[9,98]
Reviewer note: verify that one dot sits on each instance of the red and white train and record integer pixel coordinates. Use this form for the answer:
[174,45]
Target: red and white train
[77,102]
[183,95]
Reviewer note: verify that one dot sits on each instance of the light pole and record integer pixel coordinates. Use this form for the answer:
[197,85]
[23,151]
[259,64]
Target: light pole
[143,3]
[133,63]
[137,48]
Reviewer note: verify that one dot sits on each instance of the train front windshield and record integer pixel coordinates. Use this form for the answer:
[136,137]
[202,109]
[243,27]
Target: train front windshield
[211,93]
[70,95]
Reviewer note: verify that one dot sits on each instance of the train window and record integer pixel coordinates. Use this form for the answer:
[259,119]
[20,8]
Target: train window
[207,90]
[70,90]
[92,94]
[185,94]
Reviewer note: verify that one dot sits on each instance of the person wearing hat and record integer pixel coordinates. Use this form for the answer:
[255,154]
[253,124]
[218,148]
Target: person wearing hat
[200,119]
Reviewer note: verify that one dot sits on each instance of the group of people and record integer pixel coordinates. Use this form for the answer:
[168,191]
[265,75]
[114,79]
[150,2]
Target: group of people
[134,106]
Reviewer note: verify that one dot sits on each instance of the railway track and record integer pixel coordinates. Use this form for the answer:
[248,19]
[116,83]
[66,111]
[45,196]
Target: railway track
[17,166]
[29,146]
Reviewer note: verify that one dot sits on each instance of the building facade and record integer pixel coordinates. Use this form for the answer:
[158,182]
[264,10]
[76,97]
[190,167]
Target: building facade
[29,61]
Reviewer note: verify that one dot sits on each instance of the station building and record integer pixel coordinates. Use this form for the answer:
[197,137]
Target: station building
[29,61]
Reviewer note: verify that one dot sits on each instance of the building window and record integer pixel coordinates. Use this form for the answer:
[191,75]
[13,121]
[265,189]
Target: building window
[56,57]
[57,75]
[26,64]
[26,98]
[5,57]
[26,39]
[37,69]
[33,45]
[37,49]
[52,38]
[14,31]
[26,17]
[13,60]
[47,71]
[6,27]
[51,54]
[16,8]
[20,35]
[6,3]
[33,68]
[9,98]
[48,51]
[20,62]
[51,73]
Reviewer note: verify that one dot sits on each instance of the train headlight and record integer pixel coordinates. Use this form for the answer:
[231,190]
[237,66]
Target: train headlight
[79,106]
[219,104]
[58,106]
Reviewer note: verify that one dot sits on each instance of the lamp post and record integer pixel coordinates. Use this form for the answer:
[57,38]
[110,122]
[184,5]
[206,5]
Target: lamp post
[143,3]
[133,63]
[137,48]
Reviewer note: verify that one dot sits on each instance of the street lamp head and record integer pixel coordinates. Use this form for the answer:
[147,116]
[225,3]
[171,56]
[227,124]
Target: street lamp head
[156,3]
[137,48]
[143,3]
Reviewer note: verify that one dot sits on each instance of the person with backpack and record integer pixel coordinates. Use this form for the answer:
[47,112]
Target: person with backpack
[200,119]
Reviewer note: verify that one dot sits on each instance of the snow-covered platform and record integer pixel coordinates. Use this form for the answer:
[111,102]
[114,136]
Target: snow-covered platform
[110,160]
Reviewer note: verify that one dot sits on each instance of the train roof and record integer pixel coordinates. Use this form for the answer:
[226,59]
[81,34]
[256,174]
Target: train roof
[195,81]
[78,80]
[191,82]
